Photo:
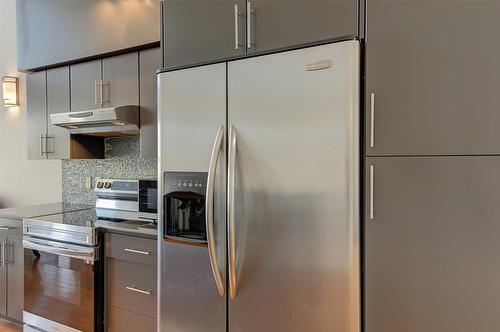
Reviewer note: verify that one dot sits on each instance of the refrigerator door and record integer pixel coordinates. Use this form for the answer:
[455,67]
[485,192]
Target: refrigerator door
[296,191]
[192,106]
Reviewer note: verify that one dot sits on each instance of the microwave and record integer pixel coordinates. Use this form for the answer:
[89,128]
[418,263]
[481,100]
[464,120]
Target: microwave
[148,199]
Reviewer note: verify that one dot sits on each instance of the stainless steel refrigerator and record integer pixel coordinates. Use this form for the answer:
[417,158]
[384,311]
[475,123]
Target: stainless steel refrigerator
[259,195]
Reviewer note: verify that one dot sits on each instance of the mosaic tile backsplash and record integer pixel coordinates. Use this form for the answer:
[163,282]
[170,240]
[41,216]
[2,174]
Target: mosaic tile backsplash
[122,162]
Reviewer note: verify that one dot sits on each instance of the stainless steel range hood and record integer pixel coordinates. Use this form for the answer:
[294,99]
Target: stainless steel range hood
[107,122]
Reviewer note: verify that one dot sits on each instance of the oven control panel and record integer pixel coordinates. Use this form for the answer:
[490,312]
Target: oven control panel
[186,182]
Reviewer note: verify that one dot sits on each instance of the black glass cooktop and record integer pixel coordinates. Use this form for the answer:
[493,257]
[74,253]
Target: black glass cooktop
[83,218]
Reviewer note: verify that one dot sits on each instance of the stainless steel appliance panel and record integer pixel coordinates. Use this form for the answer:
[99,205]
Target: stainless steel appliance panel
[192,113]
[295,206]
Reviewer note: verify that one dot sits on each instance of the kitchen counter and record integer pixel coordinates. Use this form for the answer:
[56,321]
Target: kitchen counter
[127,228]
[30,211]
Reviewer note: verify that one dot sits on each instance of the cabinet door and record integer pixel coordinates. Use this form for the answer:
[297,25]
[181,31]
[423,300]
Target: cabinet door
[58,95]
[15,275]
[36,113]
[150,61]
[432,246]
[85,94]
[200,31]
[434,74]
[277,24]
[120,76]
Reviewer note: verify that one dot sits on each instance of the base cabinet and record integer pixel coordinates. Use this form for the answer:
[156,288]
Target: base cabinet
[131,287]
[432,248]
[11,269]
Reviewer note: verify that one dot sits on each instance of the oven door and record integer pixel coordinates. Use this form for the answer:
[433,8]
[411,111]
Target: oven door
[59,286]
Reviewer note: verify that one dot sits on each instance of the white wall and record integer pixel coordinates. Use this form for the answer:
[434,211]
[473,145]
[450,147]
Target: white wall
[22,181]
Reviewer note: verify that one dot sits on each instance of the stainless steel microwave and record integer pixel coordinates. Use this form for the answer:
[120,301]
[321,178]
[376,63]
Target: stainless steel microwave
[148,199]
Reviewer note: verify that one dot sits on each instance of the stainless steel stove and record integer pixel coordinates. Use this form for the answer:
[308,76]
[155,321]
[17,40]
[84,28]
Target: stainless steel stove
[63,259]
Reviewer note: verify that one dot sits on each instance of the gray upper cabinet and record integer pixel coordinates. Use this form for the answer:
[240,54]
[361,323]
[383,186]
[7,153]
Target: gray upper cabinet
[86,90]
[120,80]
[53,32]
[58,95]
[199,31]
[36,114]
[434,82]
[150,62]
[431,249]
[276,24]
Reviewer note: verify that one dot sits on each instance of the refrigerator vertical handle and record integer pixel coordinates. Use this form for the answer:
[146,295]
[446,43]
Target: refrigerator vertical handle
[372,209]
[230,213]
[209,209]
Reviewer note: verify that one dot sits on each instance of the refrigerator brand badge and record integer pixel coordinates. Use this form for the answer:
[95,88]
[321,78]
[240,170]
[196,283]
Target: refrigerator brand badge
[319,65]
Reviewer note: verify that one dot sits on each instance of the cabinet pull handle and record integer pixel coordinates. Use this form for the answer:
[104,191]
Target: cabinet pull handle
[372,209]
[108,85]
[96,92]
[137,290]
[250,12]
[47,151]
[135,251]
[237,15]
[41,144]
[372,120]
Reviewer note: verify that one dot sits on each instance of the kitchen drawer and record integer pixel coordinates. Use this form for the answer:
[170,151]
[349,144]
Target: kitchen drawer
[131,248]
[125,321]
[132,286]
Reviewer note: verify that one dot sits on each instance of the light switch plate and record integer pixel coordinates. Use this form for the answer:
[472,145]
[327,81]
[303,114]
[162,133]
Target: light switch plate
[88,182]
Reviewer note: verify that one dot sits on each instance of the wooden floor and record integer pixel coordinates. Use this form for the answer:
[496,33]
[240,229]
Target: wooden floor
[9,327]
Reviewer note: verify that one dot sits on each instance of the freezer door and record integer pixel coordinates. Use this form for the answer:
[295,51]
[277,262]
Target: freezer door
[295,199]
[192,111]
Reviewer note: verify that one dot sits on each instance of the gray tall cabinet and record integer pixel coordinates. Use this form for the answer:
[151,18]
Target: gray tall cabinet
[432,166]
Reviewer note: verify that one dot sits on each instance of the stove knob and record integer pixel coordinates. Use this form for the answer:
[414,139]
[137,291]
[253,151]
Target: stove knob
[107,185]
[100,185]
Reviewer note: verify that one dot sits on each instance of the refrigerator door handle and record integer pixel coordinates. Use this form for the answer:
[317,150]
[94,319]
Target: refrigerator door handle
[209,209]
[230,213]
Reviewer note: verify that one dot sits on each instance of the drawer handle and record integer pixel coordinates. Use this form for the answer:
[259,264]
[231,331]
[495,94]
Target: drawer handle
[135,251]
[137,290]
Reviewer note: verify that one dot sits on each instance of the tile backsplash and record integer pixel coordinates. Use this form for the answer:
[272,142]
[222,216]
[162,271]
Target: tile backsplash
[122,162]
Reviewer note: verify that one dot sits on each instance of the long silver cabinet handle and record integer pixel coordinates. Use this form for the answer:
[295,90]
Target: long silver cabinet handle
[96,92]
[47,151]
[137,290]
[237,15]
[42,137]
[230,213]
[108,85]
[372,120]
[250,12]
[136,251]
[371,198]
[209,209]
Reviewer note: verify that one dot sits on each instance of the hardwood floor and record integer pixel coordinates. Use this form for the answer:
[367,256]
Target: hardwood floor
[6,326]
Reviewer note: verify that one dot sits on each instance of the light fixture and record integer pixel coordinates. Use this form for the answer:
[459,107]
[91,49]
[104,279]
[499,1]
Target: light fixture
[10,90]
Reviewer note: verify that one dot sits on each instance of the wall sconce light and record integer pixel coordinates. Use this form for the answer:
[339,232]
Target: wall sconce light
[10,88]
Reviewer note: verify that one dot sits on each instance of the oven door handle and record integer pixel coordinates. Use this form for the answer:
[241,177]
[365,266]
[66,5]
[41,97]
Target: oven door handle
[86,254]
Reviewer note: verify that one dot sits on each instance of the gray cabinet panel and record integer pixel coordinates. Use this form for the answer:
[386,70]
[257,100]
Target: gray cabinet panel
[125,321]
[132,286]
[120,76]
[432,248]
[198,31]
[58,94]
[83,85]
[51,32]
[131,248]
[15,278]
[150,62]
[276,24]
[435,76]
[36,114]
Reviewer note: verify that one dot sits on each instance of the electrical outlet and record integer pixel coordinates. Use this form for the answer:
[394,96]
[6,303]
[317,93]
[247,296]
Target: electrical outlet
[88,182]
